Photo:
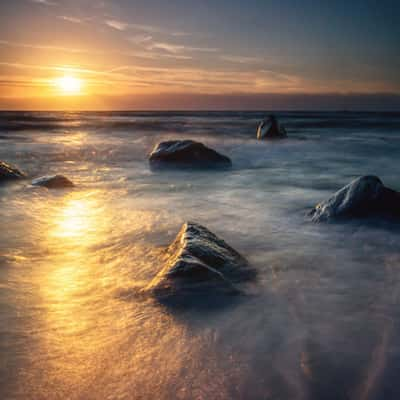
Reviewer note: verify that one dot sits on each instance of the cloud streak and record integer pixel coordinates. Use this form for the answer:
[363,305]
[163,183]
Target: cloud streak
[195,80]
[125,26]
[242,59]
[74,20]
[149,55]
[178,48]
[44,2]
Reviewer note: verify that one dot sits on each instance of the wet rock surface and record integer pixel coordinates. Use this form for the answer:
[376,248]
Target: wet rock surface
[271,129]
[199,263]
[9,172]
[53,182]
[186,154]
[366,196]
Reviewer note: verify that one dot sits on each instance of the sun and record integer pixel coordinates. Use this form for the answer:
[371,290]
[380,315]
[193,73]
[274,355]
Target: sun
[69,84]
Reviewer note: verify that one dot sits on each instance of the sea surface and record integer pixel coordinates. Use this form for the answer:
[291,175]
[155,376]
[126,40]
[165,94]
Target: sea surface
[322,320]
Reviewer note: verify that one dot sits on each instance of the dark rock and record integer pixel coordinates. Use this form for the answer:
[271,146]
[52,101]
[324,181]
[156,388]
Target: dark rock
[366,196]
[271,129]
[8,172]
[187,154]
[198,262]
[53,182]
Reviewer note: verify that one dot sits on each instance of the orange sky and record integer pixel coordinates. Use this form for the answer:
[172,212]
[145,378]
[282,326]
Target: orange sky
[119,55]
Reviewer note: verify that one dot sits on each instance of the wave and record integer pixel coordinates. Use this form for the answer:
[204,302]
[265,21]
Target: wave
[225,123]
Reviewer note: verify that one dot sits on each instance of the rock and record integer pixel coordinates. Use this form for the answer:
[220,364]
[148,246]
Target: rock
[198,262]
[53,182]
[187,154]
[364,197]
[8,172]
[271,129]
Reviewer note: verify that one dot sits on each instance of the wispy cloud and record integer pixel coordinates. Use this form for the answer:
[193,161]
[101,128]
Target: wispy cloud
[44,2]
[74,20]
[47,47]
[124,26]
[139,39]
[242,59]
[118,25]
[124,79]
[134,54]
[178,48]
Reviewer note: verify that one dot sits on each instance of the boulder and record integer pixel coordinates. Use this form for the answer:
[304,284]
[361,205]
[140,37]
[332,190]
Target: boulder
[8,172]
[199,263]
[366,196]
[53,182]
[271,129]
[187,154]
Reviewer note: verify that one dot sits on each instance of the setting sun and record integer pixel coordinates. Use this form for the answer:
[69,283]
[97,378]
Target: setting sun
[69,85]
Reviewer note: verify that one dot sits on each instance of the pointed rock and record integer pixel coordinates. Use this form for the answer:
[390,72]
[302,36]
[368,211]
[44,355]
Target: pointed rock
[271,129]
[198,262]
[8,172]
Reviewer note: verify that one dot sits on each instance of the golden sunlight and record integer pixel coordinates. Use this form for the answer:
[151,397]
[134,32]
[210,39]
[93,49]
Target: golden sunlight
[69,85]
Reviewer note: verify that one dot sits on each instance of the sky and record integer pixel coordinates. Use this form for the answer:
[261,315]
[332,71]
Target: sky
[184,54]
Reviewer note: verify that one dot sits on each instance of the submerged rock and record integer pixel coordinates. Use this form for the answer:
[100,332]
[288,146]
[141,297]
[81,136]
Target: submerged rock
[53,182]
[8,172]
[187,154]
[365,196]
[198,262]
[271,129]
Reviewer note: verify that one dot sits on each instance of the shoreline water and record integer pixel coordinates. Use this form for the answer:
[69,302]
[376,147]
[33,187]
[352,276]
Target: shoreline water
[323,320]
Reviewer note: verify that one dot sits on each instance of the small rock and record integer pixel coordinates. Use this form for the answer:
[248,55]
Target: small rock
[187,154]
[271,129]
[364,197]
[53,182]
[8,172]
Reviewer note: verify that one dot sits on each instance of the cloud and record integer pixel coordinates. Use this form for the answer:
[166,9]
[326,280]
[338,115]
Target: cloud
[178,48]
[124,26]
[118,25]
[46,47]
[139,39]
[134,54]
[129,79]
[73,20]
[44,2]
[242,59]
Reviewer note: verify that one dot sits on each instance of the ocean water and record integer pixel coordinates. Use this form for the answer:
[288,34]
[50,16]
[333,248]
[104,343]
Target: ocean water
[322,321]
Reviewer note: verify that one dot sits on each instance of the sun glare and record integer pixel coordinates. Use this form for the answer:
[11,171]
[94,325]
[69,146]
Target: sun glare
[69,85]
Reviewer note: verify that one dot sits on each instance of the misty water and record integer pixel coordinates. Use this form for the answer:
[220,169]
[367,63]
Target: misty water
[322,320]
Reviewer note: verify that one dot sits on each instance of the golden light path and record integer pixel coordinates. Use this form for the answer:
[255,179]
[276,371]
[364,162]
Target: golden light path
[92,335]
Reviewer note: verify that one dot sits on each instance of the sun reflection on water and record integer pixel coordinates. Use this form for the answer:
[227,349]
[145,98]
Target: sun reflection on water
[75,224]
[76,220]
[87,260]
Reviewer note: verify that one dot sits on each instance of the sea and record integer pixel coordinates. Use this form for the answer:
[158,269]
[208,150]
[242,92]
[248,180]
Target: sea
[321,321]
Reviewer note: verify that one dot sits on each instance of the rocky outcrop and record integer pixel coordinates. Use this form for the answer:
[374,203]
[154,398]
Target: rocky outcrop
[186,154]
[271,129]
[366,196]
[8,172]
[198,262]
[53,182]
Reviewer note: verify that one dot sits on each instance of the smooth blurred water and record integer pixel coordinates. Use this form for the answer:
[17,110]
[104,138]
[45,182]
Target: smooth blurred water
[321,322]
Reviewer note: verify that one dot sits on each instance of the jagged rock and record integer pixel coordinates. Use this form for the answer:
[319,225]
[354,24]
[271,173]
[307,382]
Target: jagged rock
[198,262]
[53,182]
[271,129]
[8,172]
[365,196]
[187,154]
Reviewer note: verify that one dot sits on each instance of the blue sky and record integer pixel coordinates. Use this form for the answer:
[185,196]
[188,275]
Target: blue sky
[123,50]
